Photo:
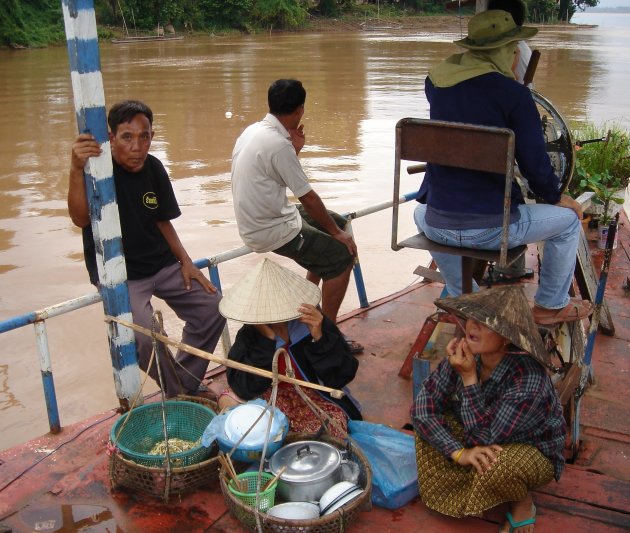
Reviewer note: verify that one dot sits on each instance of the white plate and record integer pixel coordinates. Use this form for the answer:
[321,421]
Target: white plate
[335,492]
[346,499]
[241,418]
[295,511]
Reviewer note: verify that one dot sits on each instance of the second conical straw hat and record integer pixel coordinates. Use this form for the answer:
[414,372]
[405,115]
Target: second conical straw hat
[269,293]
[505,311]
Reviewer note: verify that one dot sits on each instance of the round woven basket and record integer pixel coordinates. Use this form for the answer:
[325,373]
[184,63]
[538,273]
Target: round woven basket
[138,431]
[334,522]
[154,480]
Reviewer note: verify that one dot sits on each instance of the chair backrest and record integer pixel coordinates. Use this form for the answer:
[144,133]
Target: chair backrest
[454,144]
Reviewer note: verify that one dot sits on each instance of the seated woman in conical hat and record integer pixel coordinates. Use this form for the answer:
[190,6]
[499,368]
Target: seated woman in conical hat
[279,310]
[488,421]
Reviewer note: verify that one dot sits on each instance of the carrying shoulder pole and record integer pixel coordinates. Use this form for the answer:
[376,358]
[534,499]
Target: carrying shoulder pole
[89,103]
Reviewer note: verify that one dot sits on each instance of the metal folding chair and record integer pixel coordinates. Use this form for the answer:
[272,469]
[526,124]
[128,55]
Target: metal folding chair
[467,146]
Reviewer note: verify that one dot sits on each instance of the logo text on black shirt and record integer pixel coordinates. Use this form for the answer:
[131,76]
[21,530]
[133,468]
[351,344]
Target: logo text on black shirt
[150,200]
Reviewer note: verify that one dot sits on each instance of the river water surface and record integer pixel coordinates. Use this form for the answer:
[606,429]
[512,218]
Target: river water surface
[358,86]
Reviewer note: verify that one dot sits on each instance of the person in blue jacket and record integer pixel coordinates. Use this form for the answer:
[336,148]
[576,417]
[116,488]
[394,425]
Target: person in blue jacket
[459,207]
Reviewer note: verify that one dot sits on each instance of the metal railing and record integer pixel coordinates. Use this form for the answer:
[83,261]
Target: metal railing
[39,318]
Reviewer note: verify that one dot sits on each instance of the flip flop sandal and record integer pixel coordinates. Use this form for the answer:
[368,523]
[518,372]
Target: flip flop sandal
[573,311]
[354,346]
[514,525]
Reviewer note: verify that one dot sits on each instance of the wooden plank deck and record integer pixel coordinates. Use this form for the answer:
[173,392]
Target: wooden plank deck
[50,477]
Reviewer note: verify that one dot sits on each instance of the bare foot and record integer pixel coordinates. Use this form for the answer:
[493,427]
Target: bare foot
[521,511]
[228,399]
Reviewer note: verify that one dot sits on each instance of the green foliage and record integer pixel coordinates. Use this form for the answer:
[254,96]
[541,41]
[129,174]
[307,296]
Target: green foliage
[28,23]
[31,24]
[139,14]
[279,13]
[549,11]
[602,167]
[170,11]
[542,11]
[328,8]
[226,13]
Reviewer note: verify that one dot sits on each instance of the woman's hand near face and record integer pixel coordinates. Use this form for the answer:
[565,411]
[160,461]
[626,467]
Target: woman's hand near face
[462,360]
[313,318]
[481,457]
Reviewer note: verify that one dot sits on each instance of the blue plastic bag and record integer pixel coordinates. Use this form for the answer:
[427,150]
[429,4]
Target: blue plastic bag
[392,456]
[245,452]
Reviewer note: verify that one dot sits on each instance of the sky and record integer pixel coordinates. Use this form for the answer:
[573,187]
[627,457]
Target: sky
[614,3]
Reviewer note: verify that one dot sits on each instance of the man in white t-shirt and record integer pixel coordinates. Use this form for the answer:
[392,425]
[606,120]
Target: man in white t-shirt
[264,165]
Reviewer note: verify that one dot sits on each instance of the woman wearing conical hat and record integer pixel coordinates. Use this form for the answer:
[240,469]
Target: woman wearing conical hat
[489,425]
[279,309]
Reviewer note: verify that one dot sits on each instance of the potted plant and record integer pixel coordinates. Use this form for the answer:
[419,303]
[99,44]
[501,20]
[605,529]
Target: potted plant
[603,166]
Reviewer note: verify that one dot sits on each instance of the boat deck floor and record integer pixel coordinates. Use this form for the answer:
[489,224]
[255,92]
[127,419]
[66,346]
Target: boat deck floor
[61,482]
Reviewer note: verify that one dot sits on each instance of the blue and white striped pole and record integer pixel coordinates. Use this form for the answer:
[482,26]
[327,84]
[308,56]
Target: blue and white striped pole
[89,104]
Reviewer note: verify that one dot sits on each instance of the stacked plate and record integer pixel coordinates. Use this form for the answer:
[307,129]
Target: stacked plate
[334,498]
[295,511]
[337,496]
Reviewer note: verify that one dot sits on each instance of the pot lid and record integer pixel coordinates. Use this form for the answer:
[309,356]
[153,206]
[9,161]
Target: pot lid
[306,461]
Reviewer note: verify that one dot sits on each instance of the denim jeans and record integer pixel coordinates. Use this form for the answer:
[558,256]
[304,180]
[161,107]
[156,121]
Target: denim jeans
[558,227]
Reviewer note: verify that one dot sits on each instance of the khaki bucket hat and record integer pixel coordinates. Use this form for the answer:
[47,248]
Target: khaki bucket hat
[505,311]
[493,29]
[268,294]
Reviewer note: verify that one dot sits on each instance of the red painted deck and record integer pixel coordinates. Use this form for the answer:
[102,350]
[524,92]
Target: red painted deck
[62,480]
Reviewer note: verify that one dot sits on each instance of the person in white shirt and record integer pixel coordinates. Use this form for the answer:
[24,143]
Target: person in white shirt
[264,165]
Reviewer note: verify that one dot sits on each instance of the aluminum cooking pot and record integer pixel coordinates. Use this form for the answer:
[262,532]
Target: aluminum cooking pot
[312,468]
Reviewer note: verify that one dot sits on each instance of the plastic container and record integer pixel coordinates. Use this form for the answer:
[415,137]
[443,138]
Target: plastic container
[267,497]
[235,425]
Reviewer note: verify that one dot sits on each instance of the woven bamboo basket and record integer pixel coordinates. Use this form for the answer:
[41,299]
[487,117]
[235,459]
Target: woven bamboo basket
[154,480]
[334,522]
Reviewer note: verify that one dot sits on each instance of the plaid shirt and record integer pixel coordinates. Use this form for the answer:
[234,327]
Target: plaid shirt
[517,404]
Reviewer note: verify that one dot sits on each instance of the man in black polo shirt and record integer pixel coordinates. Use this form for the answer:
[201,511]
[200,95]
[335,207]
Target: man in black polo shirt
[157,263]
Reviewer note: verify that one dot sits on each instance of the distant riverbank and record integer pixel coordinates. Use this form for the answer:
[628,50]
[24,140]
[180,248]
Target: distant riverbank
[412,23]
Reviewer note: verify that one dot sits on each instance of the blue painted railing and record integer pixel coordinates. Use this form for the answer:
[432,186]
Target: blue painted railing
[39,318]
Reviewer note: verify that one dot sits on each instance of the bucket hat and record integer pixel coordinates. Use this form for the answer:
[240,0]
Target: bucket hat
[505,311]
[268,294]
[493,29]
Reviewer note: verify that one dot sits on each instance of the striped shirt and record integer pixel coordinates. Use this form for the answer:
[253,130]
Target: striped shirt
[516,404]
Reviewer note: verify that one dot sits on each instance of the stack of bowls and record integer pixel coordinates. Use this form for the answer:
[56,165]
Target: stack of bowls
[337,496]
[295,511]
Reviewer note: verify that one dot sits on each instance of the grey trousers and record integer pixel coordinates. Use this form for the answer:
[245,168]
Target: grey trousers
[202,329]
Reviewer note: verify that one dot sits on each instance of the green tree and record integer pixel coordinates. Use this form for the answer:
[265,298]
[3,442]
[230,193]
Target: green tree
[279,13]
[33,23]
[226,13]
[569,7]
[552,11]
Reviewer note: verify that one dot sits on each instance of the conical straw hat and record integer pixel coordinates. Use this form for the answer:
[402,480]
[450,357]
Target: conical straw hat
[269,293]
[505,311]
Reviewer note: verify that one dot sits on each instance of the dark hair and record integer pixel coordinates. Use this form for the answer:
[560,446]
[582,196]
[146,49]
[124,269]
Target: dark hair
[125,111]
[516,8]
[285,96]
